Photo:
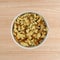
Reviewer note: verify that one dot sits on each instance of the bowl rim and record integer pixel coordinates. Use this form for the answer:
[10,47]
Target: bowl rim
[14,38]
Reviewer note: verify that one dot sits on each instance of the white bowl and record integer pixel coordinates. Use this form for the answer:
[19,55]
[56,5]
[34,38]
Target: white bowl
[21,45]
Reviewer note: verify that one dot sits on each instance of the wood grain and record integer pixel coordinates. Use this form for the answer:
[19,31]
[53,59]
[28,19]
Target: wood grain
[50,9]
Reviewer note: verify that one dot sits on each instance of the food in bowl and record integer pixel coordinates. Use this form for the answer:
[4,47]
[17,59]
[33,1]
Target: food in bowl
[29,29]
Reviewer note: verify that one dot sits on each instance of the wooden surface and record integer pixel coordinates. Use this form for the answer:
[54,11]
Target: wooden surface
[50,50]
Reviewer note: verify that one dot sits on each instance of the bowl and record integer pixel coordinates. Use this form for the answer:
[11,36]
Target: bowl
[29,30]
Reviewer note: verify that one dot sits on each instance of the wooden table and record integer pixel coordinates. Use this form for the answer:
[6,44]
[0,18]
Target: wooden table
[50,9]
